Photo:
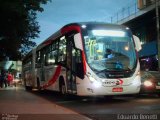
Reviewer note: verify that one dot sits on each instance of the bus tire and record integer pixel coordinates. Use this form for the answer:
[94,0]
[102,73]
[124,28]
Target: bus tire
[62,87]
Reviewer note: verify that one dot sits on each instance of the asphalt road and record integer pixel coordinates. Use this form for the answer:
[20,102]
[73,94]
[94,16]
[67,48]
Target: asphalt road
[98,108]
[102,108]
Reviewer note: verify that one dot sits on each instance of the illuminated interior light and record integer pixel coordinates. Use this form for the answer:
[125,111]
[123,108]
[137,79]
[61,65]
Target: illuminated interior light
[84,26]
[126,48]
[113,33]
[127,28]
[62,38]
[51,60]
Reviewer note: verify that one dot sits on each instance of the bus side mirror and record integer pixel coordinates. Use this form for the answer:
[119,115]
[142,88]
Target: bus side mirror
[78,41]
[137,43]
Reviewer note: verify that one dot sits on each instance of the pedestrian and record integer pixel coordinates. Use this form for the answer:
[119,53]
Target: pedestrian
[9,78]
[3,77]
[1,81]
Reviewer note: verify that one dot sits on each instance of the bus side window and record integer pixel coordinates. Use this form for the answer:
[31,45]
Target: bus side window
[62,50]
[51,57]
[38,59]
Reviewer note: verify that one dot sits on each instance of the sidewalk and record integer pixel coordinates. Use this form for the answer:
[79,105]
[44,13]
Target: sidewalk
[17,104]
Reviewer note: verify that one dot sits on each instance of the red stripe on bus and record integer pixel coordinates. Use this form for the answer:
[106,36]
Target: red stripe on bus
[54,78]
[47,42]
[70,28]
[84,62]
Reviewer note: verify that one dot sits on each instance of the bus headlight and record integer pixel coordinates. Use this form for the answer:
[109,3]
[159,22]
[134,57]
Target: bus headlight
[92,79]
[97,84]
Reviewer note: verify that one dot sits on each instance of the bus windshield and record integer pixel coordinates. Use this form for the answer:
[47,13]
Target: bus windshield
[109,50]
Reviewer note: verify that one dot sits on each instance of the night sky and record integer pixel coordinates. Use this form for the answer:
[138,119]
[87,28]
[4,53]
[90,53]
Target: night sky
[61,12]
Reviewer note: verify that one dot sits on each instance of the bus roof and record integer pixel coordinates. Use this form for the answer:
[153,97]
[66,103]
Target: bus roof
[96,24]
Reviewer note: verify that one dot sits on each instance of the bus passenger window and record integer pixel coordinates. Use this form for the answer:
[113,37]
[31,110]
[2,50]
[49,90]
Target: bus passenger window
[38,59]
[51,57]
[62,50]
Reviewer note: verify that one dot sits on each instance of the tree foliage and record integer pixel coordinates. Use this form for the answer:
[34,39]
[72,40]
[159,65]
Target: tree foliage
[18,26]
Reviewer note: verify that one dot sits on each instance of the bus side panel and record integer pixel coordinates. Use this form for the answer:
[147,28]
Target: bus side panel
[49,73]
[82,87]
[51,77]
[27,78]
[27,75]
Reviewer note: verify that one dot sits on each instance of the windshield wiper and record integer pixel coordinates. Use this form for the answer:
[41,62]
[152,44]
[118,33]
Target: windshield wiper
[104,70]
[113,69]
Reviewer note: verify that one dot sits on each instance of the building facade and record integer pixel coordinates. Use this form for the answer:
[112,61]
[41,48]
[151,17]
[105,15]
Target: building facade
[15,67]
[143,24]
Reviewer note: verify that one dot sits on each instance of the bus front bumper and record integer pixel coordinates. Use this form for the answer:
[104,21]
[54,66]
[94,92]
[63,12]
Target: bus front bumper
[99,90]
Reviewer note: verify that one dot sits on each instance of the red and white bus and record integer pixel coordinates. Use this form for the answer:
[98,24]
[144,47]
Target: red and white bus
[74,61]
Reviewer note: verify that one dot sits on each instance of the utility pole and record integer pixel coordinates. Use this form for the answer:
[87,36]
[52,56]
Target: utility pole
[158,34]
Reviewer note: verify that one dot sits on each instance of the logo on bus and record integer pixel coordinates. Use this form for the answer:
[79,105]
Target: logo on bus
[119,82]
[112,83]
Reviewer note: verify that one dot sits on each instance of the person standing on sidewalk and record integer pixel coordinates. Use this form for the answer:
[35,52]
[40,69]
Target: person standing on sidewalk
[3,77]
[1,81]
[9,78]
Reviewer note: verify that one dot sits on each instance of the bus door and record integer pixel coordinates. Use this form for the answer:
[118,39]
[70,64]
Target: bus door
[40,67]
[70,65]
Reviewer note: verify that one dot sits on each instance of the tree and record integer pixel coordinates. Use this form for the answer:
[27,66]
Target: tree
[18,26]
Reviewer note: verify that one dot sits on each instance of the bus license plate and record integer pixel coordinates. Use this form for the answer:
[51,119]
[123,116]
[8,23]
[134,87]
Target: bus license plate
[119,89]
